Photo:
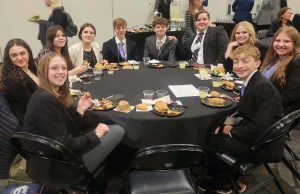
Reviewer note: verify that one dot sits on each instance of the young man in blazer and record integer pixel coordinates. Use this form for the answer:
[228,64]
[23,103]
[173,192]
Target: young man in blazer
[259,107]
[208,46]
[159,46]
[119,48]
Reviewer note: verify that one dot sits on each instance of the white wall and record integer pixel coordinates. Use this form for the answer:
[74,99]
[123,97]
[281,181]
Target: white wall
[13,14]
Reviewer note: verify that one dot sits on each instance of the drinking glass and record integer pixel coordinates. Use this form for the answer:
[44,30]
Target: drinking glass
[148,94]
[203,91]
[216,81]
[146,60]
[161,93]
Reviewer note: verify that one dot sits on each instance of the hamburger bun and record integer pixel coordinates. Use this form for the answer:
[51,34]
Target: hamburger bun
[215,94]
[141,107]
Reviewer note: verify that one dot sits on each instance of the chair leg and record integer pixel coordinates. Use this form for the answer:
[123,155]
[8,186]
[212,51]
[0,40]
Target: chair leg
[233,185]
[293,154]
[290,167]
[275,179]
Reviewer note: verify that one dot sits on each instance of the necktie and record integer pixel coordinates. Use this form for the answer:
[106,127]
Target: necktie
[195,53]
[159,45]
[121,50]
[243,90]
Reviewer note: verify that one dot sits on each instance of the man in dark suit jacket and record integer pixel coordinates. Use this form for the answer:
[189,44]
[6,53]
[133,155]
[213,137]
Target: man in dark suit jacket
[259,106]
[119,48]
[211,49]
[159,46]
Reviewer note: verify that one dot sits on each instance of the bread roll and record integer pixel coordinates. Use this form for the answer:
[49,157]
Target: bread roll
[215,94]
[141,107]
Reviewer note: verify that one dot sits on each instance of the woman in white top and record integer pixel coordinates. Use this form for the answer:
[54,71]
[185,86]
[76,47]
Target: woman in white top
[86,49]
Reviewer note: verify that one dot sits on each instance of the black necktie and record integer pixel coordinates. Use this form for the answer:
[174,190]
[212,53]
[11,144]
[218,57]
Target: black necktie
[195,53]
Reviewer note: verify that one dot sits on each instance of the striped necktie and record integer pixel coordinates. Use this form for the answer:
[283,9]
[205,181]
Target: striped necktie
[195,53]
[159,45]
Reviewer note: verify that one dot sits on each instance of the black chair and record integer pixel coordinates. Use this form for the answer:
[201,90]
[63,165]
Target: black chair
[164,169]
[268,148]
[8,124]
[58,168]
[292,165]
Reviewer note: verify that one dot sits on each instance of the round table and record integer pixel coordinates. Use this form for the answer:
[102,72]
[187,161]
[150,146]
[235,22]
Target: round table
[146,128]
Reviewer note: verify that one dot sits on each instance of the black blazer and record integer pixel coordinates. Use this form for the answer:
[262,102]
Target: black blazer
[214,45]
[275,26]
[260,106]
[166,52]
[290,93]
[18,94]
[46,116]
[262,49]
[110,51]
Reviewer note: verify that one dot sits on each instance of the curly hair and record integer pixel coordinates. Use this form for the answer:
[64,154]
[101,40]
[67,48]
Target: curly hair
[250,30]
[10,69]
[272,57]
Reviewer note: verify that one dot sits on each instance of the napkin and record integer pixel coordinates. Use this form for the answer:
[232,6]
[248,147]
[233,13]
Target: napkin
[203,76]
[149,108]
[131,108]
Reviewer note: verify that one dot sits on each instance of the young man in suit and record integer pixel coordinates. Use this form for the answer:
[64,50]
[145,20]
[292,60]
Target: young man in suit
[259,107]
[208,46]
[119,48]
[159,46]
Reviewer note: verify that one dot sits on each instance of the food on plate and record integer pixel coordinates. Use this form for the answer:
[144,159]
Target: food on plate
[218,70]
[75,92]
[215,94]
[161,106]
[34,18]
[228,84]
[127,67]
[141,107]
[103,104]
[100,66]
[216,101]
[125,63]
[123,106]
[158,65]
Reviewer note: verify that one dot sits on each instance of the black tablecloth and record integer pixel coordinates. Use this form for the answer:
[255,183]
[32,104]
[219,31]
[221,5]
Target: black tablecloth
[139,39]
[146,128]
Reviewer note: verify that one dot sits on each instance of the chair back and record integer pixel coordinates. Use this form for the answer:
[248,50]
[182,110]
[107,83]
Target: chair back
[269,146]
[8,124]
[49,161]
[166,157]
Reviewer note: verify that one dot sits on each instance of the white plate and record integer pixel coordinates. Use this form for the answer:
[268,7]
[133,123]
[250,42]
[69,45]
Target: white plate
[153,61]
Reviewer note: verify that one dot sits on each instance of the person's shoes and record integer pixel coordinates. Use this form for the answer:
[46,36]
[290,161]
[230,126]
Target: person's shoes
[241,186]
